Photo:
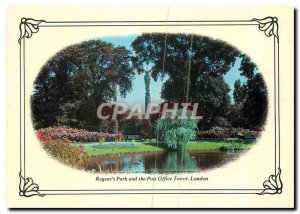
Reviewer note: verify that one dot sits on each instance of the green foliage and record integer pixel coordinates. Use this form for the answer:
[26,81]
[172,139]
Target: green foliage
[215,133]
[255,107]
[136,126]
[211,59]
[176,133]
[212,94]
[222,122]
[106,126]
[247,67]
[65,152]
[209,55]
[235,115]
[238,132]
[75,81]
[239,92]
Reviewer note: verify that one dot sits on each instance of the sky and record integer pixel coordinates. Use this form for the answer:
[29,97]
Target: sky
[138,88]
[232,75]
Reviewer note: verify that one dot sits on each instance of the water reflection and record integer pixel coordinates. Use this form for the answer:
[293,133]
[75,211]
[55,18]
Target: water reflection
[163,162]
[133,164]
[179,162]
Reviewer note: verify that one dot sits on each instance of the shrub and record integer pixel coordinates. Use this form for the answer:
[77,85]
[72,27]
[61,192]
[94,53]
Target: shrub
[221,122]
[106,126]
[214,133]
[103,126]
[146,128]
[79,135]
[231,147]
[135,126]
[236,132]
[176,133]
[65,152]
[223,133]
[42,136]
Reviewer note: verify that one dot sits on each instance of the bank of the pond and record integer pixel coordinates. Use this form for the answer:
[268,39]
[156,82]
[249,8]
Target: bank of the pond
[204,146]
[96,150]
[93,150]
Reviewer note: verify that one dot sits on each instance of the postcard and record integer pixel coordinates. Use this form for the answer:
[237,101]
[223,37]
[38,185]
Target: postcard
[161,107]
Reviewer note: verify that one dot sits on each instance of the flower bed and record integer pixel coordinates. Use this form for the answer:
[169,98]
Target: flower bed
[42,136]
[79,135]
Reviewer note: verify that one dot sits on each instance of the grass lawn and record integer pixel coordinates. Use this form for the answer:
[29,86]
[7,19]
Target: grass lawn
[93,150]
[194,146]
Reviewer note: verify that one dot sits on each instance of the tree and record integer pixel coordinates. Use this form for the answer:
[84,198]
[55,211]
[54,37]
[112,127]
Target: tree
[255,105]
[239,92]
[210,60]
[77,79]
[212,93]
[176,133]
[247,67]
[236,117]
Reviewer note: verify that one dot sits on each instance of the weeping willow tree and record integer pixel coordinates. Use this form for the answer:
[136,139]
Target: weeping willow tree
[175,132]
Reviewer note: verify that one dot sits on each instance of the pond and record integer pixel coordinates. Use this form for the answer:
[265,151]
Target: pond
[160,162]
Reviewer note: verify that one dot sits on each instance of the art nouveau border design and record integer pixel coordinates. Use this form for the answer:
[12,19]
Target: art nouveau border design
[29,26]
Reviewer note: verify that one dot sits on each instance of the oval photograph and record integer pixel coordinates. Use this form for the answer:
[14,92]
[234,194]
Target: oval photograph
[152,102]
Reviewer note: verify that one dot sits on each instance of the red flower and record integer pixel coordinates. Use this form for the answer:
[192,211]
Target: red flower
[42,136]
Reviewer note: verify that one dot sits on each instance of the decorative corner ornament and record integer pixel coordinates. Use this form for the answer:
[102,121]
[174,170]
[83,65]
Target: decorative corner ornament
[28,27]
[269,25]
[273,185]
[28,188]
